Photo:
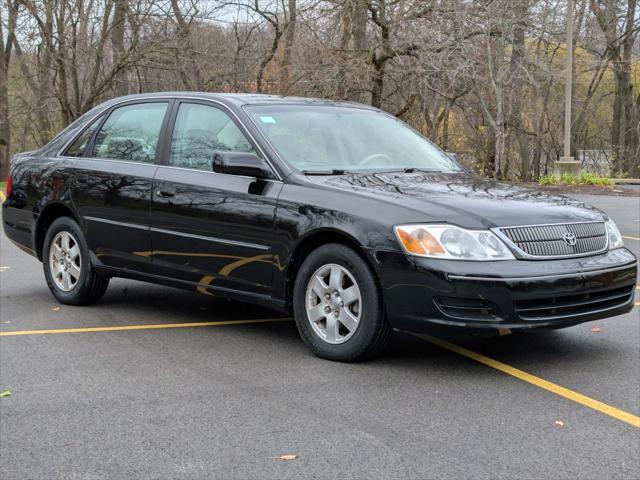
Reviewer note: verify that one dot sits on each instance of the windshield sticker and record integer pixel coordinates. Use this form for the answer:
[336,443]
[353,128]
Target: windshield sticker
[267,120]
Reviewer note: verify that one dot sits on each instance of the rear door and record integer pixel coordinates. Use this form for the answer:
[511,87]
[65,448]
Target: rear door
[213,230]
[112,188]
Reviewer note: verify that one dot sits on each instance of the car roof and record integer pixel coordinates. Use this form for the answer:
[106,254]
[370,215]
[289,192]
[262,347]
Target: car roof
[240,99]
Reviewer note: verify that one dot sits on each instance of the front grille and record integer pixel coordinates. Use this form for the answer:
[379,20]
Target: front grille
[573,305]
[549,240]
[468,308]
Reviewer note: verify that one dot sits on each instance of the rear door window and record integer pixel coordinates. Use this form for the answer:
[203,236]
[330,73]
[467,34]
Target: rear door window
[131,133]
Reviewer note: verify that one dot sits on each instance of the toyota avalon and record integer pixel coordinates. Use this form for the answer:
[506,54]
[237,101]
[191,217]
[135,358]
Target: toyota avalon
[336,212]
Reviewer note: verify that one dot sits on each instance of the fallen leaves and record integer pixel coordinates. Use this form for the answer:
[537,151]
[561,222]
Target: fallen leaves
[559,423]
[596,329]
[55,309]
[286,457]
[6,393]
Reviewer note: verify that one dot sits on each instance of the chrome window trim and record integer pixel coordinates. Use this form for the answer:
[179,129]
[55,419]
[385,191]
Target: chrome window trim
[100,159]
[524,255]
[166,166]
[217,173]
[222,106]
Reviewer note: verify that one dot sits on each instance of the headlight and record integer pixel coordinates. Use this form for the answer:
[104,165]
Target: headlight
[450,242]
[615,237]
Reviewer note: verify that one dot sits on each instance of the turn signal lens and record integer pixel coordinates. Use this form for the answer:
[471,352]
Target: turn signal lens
[451,242]
[419,242]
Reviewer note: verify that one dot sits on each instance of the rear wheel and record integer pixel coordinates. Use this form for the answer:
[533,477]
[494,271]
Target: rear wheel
[67,265]
[338,306]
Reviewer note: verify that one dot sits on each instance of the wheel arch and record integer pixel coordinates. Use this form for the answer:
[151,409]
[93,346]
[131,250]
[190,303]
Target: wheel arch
[50,214]
[311,242]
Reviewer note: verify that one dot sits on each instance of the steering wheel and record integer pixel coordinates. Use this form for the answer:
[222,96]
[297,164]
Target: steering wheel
[382,156]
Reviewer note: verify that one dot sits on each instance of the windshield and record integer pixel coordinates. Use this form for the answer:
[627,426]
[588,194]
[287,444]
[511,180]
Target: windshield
[325,138]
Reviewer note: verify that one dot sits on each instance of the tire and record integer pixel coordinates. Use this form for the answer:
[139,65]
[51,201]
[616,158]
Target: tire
[361,330]
[78,283]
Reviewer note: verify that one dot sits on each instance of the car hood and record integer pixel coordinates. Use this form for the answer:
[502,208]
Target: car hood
[464,199]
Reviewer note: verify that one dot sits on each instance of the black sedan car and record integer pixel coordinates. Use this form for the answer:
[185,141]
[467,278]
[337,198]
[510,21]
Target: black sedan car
[335,211]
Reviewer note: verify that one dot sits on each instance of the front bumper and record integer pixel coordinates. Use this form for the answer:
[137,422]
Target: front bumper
[518,294]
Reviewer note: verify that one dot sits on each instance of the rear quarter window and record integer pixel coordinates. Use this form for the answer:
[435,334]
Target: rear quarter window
[79,146]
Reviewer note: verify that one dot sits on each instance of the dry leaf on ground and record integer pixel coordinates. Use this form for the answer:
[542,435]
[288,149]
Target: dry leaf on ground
[286,457]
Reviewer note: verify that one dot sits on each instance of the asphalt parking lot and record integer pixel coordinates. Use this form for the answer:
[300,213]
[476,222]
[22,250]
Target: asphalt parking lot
[222,400]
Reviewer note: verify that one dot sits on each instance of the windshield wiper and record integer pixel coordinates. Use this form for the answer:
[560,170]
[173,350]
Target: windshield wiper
[333,171]
[411,170]
[423,170]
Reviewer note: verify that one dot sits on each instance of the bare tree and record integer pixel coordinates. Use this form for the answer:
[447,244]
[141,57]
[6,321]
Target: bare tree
[480,78]
[6,47]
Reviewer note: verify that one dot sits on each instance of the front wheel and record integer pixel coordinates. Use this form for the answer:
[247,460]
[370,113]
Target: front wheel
[67,266]
[338,306]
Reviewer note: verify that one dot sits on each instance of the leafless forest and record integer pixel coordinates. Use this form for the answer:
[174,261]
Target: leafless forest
[482,78]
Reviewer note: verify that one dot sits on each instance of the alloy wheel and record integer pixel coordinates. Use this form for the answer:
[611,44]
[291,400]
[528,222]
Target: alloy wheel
[333,303]
[65,261]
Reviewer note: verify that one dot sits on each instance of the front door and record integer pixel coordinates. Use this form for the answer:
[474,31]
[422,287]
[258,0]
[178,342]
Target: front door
[112,187]
[212,230]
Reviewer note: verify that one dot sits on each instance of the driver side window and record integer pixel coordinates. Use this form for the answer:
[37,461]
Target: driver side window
[199,132]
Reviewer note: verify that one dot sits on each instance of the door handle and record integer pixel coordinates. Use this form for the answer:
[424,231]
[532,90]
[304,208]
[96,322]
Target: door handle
[165,193]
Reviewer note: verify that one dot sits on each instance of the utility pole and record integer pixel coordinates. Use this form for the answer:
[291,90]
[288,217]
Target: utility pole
[567,163]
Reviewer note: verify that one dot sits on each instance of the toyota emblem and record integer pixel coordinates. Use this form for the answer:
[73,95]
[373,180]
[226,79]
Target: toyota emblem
[570,239]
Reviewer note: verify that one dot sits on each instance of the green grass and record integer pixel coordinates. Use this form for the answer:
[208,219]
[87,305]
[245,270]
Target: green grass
[585,178]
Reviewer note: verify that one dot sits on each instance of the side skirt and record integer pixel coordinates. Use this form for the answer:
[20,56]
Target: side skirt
[207,289]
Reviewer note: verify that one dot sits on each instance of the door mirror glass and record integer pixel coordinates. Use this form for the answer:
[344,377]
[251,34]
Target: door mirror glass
[240,163]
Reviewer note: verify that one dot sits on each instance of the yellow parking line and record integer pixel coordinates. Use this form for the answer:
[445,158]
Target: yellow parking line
[141,327]
[537,381]
[628,237]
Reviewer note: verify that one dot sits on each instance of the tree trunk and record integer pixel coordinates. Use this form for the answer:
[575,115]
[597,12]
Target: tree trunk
[121,85]
[518,54]
[628,134]
[381,54]
[501,135]
[5,57]
[444,143]
[289,39]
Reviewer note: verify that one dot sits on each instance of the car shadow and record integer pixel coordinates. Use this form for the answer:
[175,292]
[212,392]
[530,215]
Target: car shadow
[140,301]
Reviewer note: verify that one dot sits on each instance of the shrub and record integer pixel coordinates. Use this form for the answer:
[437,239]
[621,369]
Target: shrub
[584,178]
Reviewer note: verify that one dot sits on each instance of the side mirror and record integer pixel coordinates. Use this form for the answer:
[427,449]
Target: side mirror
[240,163]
